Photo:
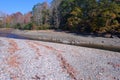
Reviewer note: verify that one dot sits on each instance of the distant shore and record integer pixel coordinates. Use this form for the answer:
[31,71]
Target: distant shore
[112,44]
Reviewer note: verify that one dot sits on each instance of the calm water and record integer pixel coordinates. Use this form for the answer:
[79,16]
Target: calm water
[10,35]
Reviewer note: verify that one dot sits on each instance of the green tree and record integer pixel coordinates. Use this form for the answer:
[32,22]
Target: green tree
[75,18]
[65,9]
[104,18]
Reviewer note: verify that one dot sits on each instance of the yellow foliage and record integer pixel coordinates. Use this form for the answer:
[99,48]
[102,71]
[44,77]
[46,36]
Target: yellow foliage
[76,12]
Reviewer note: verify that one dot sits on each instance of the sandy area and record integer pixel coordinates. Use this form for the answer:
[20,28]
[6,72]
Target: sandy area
[37,60]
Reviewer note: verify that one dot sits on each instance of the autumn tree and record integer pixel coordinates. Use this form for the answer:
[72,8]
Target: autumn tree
[27,17]
[104,17]
[90,15]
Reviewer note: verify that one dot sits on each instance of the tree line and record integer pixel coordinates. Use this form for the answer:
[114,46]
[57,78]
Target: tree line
[99,16]
[87,15]
[15,20]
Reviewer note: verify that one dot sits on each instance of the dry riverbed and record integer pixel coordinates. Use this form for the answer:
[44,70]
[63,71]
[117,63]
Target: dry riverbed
[112,44]
[37,60]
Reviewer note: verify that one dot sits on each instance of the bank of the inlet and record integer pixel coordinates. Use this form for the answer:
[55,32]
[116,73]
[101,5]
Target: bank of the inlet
[72,39]
[112,44]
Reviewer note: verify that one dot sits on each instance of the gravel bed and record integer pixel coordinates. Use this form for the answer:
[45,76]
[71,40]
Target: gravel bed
[37,60]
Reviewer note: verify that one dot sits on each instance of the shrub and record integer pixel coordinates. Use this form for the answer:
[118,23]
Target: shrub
[28,26]
[43,27]
[17,26]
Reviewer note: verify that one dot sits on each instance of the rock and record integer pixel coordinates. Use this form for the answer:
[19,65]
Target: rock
[108,36]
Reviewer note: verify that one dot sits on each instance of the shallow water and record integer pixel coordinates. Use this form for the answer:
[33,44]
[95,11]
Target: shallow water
[10,35]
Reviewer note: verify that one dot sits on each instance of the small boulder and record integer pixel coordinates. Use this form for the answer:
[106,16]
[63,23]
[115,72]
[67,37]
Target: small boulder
[108,36]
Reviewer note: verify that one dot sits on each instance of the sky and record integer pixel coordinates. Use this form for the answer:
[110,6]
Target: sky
[23,6]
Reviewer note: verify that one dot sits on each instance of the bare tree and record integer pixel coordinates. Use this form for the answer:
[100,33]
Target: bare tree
[55,16]
[40,13]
